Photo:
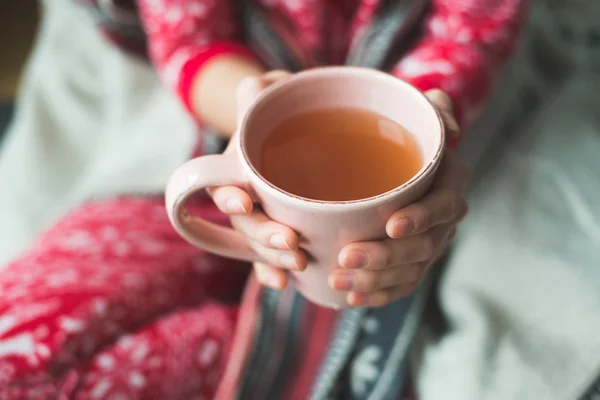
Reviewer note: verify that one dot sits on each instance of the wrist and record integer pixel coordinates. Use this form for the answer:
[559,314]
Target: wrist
[212,90]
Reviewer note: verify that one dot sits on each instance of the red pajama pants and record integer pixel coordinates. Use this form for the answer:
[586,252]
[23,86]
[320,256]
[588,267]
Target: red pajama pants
[111,304]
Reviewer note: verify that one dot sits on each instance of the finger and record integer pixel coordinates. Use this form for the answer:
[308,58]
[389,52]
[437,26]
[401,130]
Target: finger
[284,259]
[440,100]
[272,277]
[397,252]
[443,104]
[382,297]
[231,200]
[247,91]
[378,255]
[362,280]
[423,247]
[258,227]
[276,76]
[438,207]
[367,255]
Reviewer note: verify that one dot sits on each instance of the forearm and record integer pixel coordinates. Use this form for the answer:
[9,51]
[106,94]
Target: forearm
[213,90]
[199,56]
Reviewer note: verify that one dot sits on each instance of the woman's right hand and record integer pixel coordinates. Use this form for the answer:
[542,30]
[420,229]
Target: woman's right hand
[276,244]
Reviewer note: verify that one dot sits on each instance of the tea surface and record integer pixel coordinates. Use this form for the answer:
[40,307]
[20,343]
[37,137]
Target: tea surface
[339,154]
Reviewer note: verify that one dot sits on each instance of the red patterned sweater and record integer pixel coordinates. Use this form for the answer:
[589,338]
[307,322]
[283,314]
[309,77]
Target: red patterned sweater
[112,304]
[462,46]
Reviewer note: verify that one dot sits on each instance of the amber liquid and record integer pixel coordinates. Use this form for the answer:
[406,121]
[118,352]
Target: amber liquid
[339,154]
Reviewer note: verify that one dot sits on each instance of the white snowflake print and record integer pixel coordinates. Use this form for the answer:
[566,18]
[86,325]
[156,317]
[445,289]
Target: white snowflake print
[293,5]
[197,9]
[71,325]
[24,345]
[78,241]
[412,67]
[173,66]
[364,369]
[208,353]
[107,382]
[174,15]
[371,325]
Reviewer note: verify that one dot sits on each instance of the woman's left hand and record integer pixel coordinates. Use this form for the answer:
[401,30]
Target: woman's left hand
[377,273]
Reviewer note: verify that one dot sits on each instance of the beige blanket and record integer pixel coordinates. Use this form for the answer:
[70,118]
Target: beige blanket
[522,290]
[90,123]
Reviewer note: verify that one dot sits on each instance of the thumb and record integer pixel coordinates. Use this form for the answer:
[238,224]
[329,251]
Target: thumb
[442,102]
[247,91]
[250,88]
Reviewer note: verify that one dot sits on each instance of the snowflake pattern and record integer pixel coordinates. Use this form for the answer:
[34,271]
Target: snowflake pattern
[100,275]
[463,44]
[113,277]
[364,370]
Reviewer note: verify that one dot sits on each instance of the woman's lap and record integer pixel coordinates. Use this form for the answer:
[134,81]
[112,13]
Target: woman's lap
[113,276]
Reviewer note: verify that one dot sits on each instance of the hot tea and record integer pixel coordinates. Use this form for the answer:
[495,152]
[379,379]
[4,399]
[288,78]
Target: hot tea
[339,154]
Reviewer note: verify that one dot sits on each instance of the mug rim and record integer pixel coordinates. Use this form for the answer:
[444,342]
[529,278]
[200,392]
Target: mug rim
[425,171]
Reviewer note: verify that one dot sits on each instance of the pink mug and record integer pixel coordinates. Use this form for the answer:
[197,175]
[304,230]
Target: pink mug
[324,227]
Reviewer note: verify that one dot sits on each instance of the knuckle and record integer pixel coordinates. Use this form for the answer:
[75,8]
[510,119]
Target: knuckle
[262,231]
[455,201]
[380,255]
[423,216]
[428,245]
[386,255]
[368,281]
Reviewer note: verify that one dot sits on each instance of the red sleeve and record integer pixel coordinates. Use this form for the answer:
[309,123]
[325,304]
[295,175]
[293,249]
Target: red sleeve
[465,44]
[183,35]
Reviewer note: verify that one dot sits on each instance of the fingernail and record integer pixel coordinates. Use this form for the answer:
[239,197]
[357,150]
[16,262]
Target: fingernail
[451,123]
[235,206]
[353,299]
[402,227]
[278,241]
[288,260]
[341,281]
[356,259]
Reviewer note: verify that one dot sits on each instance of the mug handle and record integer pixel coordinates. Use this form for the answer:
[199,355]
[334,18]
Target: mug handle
[192,177]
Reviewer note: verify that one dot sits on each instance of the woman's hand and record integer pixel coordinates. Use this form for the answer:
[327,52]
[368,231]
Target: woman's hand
[377,273]
[374,273]
[275,243]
